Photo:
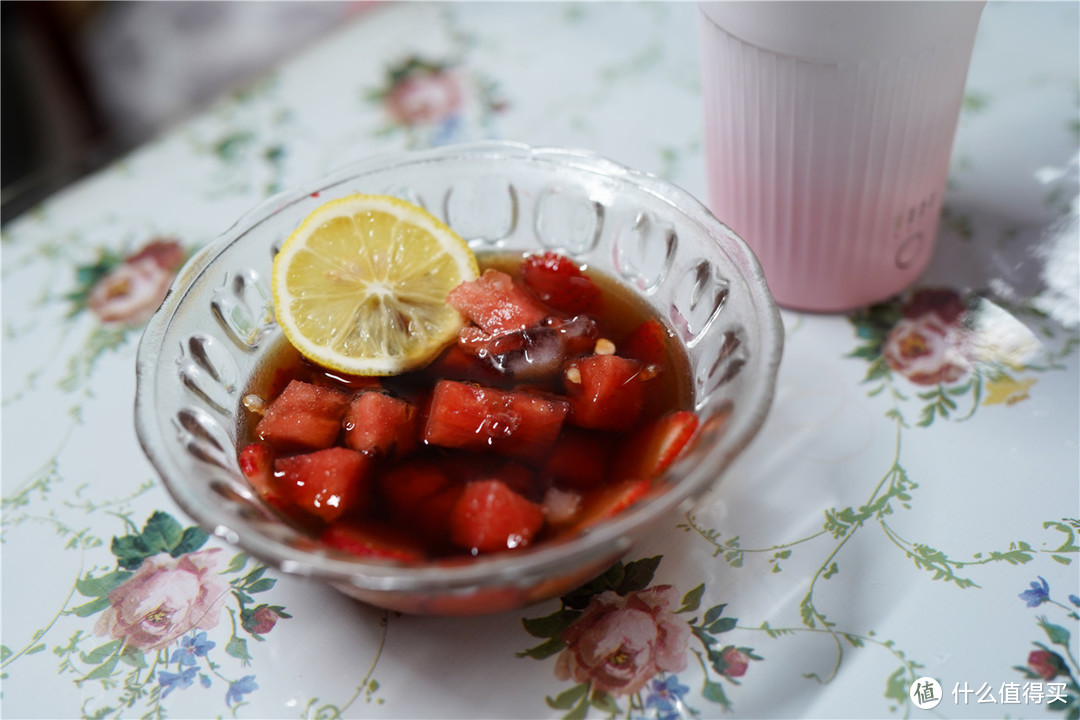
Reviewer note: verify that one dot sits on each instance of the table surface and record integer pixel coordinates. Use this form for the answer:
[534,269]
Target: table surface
[890,522]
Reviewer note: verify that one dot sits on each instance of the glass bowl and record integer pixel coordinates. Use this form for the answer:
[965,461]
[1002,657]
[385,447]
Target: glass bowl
[215,334]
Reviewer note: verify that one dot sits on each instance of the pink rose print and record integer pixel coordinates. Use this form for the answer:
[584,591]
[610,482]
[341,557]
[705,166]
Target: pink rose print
[620,643]
[737,662]
[426,96]
[1045,664]
[928,345]
[133,290]
[165,598]
[263,621]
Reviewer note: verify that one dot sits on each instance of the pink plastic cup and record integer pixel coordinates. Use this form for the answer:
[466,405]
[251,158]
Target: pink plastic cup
[828,132]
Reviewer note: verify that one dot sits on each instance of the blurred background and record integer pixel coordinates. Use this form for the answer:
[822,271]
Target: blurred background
[85,81]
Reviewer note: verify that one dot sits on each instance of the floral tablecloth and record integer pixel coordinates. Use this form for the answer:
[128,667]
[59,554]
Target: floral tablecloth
[900,540]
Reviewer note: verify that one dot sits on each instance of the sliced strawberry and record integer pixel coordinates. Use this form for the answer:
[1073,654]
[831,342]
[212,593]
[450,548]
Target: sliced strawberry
[606,392]
[407,486]
[579,459]
[496,303]
[327,483]
[257,463]
[648,452]
[647,343]
[608,501]
[380,424]
[303,417]
[480,418]
[559,282]
[489,517]
[369,539]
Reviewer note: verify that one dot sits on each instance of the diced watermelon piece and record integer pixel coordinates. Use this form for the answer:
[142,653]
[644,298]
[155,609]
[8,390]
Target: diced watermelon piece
[649,451]
[257,463]
[579,459]
[455,363]
[431,519]
[606,392]
[303,417]
[370,539]
[381,425]
[327,483]
[647,343]
[510,423]
[489,517]
[496,303]
[559,282]
[407,486]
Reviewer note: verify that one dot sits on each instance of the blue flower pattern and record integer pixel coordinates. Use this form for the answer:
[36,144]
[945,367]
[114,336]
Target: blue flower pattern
[1037,594]
[666,696]
[169,681]
[238,689]
[192,647]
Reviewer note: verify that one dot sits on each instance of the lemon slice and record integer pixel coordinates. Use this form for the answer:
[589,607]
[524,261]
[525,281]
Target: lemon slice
[360,286]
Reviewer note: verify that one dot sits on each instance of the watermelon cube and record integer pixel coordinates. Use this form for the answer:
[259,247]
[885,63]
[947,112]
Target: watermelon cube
[327,483]
[303,417]
[647,342]
[455,363]
[559,282]
[407,486]
[381,425]
[496,303]
[473,417]
[489,517]
[431,519]
[579,459]
[606,392]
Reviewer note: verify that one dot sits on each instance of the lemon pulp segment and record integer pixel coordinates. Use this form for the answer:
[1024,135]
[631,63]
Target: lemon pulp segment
[361,285]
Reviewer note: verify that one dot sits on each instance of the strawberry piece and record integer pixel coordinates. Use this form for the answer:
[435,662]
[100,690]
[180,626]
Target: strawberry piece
[606,392]
[381,425]
[505,422]
[303,417]
[559,282]
[489,517]
[327,483]
[579,459]
[369,539]
[647,343]
[257,463]
[496,303]
[608,501]
[651,450]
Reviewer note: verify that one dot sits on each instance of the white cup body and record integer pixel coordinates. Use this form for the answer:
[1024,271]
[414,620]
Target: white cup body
[828,132]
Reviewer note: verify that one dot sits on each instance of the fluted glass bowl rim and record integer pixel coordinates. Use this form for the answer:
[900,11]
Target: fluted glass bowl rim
[498,569]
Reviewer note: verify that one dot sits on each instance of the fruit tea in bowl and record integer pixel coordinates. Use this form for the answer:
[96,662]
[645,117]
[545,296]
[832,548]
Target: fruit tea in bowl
[458,381]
